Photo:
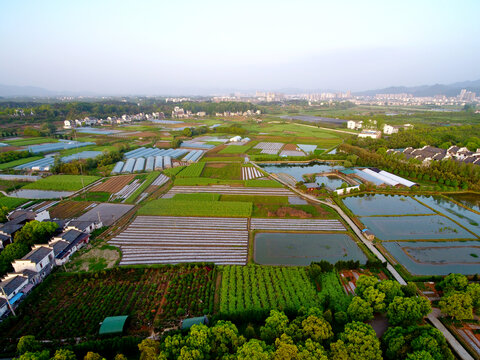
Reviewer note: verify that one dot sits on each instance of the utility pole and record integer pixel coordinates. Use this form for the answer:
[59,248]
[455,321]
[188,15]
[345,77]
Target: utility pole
[8,301]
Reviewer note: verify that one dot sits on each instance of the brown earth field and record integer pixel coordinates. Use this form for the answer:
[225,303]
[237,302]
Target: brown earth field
[69,209]
[114,184]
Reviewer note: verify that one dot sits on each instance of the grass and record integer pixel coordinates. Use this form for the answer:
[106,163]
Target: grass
[14,163]
[198,196]
[235,149]
[193,170]
[229,171]
[263,183]
[205,181]
[29,141]
[149,179]
[12,185]
[62,182]
[11,202]
[172,207]
[98,196]
[256,199]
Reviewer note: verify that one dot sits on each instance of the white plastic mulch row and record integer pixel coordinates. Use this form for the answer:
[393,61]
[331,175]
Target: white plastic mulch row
[230,190]
[127,190]
[270,148]
[250,173]
[296,224]
[172,240]
[160,180]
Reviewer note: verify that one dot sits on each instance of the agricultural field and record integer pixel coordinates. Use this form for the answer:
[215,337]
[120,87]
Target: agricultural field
[172,240]
[11,202]
[98,196]
[151,297]
[11,185]
[114,184]
[207,158]
[29,141]
[232,190]
[149,179]
[227,171]
[108,213]
[171,207]
[69,209]
[198,197]
[257,289]
[235,149]
[14,163]
[192,171]
[62,182]
[332,291]
[302,211]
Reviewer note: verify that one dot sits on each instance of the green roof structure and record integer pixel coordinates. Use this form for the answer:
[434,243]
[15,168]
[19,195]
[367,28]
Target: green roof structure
[113,325]
[188,323]
[348,171]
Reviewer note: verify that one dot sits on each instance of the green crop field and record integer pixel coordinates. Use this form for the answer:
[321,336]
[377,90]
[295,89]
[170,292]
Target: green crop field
[173,171]
[259,289]
[228,171]
[11,202]
[146,183]
[172,207]
[29,141]
[222,159]
[263,183]
[197,196]
[205,181]
[62,182]
[98,196]
[235,149]
[14,163]
[256,199]
[332,290]
[193,170]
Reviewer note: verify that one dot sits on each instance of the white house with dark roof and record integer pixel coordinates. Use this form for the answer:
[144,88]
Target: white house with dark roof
[3,306]
[12,287]
[67,243]
[84,226]
[40,259]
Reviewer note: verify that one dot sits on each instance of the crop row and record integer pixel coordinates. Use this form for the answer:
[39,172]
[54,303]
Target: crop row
[259,289]
[193,170]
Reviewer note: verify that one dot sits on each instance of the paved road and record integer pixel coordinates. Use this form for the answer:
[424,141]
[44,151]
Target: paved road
[433,316]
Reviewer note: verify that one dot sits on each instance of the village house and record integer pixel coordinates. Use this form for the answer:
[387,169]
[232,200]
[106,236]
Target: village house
[40,259]
[84,226]
[11,288]
[66,244]
[354,125]
[373,134]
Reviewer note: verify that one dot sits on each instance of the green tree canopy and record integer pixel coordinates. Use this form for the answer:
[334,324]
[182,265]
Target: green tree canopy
[457,305]
[358,341]
[360,310]
[408,310]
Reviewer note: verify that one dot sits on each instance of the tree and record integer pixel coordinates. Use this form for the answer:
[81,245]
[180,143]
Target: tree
[420,355]
[253,349]
[28,343]
[275,325]
[316,328]
[93,356]
[149,349]
[64,354]
[10,253]
[375,298]
[457,305]
[474,291]
[35,232]
[453,282]
[312,351]
[39,355]
[198,338]
[410,289]
[3,214]
[391,289]
[360,310]
[224,338]
[172,345]
[358,341]
[120,357]
[364,282]
[408,311]
[187,132]
[285,348]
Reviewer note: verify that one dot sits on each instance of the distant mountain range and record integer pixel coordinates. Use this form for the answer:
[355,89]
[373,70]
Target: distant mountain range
[12,91]
[427,90]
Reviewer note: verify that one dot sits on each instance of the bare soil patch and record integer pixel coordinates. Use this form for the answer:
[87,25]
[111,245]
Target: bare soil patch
[114,184]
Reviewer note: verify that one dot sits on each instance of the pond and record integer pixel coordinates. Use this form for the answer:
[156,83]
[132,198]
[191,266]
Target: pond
[471,200]
[331,182]
[297,249]
[298,170]
[378,204]
[437,258]
[415,227]
[464,217]
[40,194]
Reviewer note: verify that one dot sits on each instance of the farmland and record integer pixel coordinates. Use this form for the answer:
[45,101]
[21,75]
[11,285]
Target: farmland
[69,209]
[14,163]
[231,190]
[147,295]
[193,170]
[171,207]
[227,171]
[114,184]
[172,240]
[235,149]
[62,182]
[10,202]
[256,289]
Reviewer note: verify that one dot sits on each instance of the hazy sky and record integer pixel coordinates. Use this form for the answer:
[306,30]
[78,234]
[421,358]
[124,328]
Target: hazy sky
[175,46]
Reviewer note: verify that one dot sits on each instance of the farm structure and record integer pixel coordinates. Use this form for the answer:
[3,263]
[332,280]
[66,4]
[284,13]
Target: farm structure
[172,240]
[106,213]
[160,180]
[251,173]
[61,145]
[46,163]
[296,224]
[228,190]
[271,148]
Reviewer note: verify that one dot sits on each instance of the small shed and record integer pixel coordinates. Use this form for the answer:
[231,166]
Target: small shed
[112,325]
[312,186]
[188,323]
[368,234]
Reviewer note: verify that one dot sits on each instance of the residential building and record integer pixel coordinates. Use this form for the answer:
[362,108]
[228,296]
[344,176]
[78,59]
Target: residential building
[40,259]
[66,244]
[373,134]
[67,124]
[84,226]
[390,129]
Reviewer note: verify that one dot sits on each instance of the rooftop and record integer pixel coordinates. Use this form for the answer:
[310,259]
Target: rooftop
[113,325]
[38,254]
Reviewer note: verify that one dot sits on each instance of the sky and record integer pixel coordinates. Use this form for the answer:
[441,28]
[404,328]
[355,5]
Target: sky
[208,46]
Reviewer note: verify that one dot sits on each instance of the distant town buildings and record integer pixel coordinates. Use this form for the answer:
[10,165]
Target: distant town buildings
[428,153]
[372,134]
[113,120]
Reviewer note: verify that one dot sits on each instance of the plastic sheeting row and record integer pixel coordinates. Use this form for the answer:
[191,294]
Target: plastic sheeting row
[140,164]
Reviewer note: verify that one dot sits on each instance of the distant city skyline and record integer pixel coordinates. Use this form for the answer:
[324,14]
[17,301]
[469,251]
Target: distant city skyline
[149,47]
